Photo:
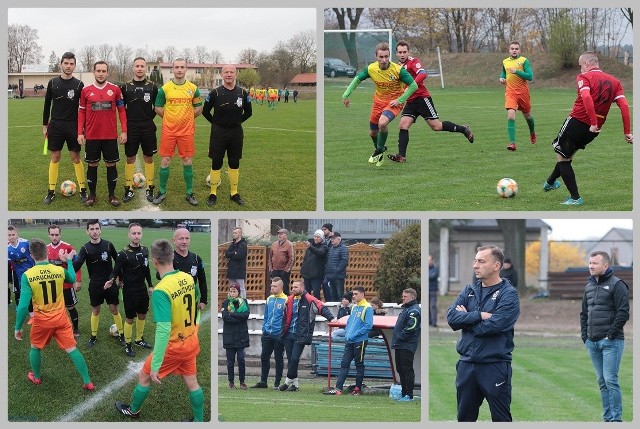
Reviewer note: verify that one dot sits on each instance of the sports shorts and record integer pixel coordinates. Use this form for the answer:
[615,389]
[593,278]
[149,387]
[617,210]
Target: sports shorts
[517,101]
[59,329]
[141,135]
[225,140]
[185,144]
[136,301]
[380,108]
[70,297]
[98,295]
[573,135]
[421,106]
[61,132]
[95,150]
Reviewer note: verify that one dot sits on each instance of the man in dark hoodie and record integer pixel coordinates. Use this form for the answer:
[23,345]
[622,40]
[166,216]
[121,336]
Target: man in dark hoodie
[236,253]
[406,335]
[312,268]
[509,272]
[605,310]
[486,312]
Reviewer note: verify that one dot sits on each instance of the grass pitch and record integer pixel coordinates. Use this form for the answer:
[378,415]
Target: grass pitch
[277,170]
[60,396]
[445,172]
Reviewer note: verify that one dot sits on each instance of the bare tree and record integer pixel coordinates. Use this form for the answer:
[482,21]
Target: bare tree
[247,56]
[216,56]
[86,57]
[627,12]
[202,55]
[352,15]
[187,54]
[303,47]
[144,53]
[23,47]
[157,55]
[54,62]
[104,51]
[121,69]
[170,53]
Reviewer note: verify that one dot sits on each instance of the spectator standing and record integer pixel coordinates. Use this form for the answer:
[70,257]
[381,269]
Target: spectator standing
[235,333]
[343,310]
[434,274]
[605,310]
[315,259]
[406,335]
[281,258]
[236,254]
[336,268]
[272,324]
[509,272]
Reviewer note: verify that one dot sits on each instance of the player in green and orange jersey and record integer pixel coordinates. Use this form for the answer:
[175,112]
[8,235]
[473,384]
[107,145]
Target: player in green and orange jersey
[43,285]
[516,71]
[175,304]
[178,103]
[390,94]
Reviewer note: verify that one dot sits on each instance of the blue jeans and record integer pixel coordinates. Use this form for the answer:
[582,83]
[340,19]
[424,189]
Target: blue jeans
[606,355]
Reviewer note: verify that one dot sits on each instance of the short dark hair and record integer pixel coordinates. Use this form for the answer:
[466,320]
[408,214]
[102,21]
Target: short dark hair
[402,43]
[38,249]
[162,251]
[100,62]
[139,58]
[605,256]
[68,56]
[359,289]
[496,252]
[53,226]
[92,222]
[132,224]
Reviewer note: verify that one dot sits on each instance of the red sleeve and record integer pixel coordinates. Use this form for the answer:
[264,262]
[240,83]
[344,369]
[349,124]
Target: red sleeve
[420,77]
[624,110]
[288,312]
[588,106]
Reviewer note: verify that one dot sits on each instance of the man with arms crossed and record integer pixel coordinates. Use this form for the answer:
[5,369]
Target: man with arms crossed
[486,312]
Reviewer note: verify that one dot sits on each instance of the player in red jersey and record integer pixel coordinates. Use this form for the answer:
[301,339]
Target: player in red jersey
[419,104]
[97,129]
[54,248]
[597,90]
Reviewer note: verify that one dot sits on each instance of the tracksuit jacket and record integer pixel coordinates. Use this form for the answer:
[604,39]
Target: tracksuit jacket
[605,308]
[308,308]
[359,323]
[406,332]
[490,340]
[274,314]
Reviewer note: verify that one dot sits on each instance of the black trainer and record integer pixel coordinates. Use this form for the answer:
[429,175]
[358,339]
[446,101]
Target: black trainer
[237,198]
[142,343]
[122,340]
[260,385]
[49,197]
[125,410]
[92,341]
[149,193]
[128,195]
[211,201]
[468,134]
[128,350]
[83,194]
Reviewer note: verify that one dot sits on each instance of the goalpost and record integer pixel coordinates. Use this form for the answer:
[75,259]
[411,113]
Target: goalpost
[365,42]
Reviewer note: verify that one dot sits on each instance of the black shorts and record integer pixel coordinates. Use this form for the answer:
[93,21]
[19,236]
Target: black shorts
[135,300]
[98,295]
[61,132]
[227,140]
[420,107]
[70,297]
[573,135]
[141,135]
[95,150]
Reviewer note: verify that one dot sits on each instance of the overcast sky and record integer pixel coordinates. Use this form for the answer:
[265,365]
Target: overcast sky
[583,229]
[227,30]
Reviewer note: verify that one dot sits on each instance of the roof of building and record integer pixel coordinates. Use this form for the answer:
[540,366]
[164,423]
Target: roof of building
[302,78]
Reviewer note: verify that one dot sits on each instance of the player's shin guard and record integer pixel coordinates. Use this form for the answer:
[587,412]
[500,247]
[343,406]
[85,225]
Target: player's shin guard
[35,360]
[196,398]
[403,142]
[554,174]
[149,172]
[451,127]
[382,139]
[234,178]
[53,175]
[92,179]
[214,176]
[117,319]
[569,178]
[139,329]
[532,125]
[163,178]
[129,169]
[95,322]
[81,365]
[73,315]
[139,395]
[79,170]
[112,179]
[187,172]
[128,332]
[511,129]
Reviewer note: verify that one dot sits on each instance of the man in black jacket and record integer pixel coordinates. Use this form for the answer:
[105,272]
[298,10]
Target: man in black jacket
[312,268]
[405,338]
[236,253]
[605,310]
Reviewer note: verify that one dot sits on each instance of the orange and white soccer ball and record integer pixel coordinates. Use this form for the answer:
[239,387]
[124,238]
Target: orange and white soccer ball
[507,188]
[68,188]
[138,180]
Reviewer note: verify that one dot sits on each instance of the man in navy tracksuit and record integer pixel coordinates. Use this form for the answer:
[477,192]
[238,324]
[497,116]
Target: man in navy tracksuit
[271,334]
[406,334]
[486,312]
[356,334]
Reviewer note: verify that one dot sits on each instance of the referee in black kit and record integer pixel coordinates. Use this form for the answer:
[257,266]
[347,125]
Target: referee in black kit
[231,107]
[139,97]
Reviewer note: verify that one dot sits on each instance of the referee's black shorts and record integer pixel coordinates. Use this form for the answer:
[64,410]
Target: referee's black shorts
[573,135]
[61,132]
[141,134]
[225,140]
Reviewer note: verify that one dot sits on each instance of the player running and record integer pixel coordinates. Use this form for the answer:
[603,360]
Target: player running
[389,79]
[419,104]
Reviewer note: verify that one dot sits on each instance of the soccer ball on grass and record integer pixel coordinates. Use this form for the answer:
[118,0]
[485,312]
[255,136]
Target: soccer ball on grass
[507,188]
[113,331]
[68,188]
[138,180]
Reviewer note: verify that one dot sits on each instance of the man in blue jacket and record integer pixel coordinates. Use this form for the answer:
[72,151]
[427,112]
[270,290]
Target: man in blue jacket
[405,338]
[486,312]
[356,335]
[271,334]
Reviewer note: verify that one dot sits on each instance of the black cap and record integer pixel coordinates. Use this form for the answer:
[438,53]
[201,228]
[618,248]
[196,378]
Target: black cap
[328,226]
[507,260]
[348,295]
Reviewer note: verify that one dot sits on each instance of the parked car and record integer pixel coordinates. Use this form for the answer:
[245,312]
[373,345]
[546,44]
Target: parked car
[336,67]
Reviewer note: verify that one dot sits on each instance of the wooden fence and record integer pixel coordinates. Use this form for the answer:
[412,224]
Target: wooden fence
[570,284]
[361,270]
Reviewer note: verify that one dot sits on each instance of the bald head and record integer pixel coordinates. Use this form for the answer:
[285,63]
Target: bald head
[229,76]
[181,241]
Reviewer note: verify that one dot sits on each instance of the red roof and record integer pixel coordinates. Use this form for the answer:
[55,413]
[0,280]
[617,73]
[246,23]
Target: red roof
[302,78]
